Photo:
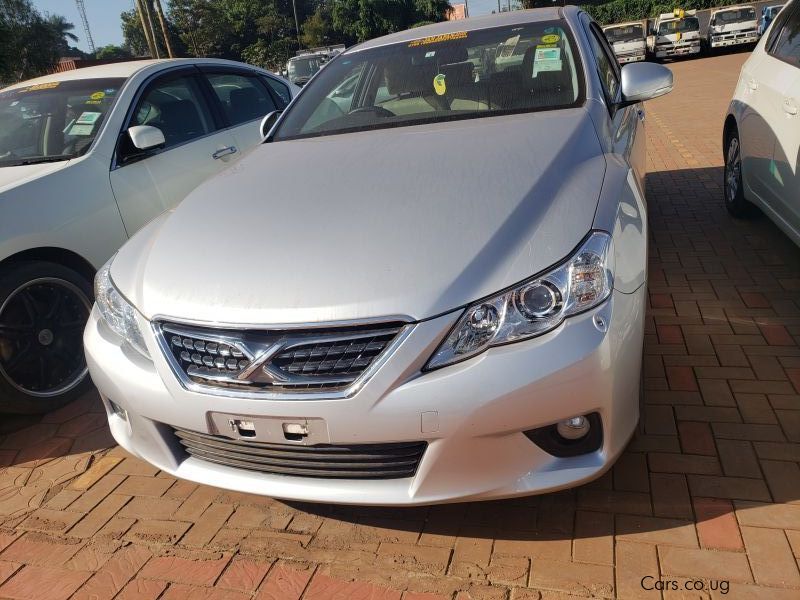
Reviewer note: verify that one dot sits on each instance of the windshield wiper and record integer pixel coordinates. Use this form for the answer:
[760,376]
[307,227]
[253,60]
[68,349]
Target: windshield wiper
[35,161]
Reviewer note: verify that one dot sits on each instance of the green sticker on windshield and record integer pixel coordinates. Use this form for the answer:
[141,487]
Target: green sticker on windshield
[439,85]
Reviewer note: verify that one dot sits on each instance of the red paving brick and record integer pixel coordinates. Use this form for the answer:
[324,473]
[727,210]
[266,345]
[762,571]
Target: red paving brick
[710,490]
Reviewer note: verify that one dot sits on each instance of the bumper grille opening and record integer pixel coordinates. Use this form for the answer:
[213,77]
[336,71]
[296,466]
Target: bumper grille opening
[326,461]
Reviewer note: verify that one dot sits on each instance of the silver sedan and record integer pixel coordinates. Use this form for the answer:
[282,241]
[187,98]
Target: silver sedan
[427,285]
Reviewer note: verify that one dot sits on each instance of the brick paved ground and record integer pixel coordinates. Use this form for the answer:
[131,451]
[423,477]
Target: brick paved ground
[710,492]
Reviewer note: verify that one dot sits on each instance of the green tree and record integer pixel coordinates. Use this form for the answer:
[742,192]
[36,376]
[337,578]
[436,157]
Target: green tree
[62,31]
[30,44]
[112,51]
[317,28]
[359,20]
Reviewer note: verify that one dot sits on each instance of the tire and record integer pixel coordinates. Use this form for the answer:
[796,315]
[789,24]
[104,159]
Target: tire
[732,182]
[43,311]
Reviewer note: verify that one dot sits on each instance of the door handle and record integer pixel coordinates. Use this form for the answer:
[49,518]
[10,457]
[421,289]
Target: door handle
[752,84]
[789,106]
[224,152]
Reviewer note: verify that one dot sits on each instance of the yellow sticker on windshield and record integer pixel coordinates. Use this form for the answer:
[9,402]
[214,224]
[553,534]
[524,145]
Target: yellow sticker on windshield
[550,38]
[439,85]
[43,86]
[98,96]
[438,39]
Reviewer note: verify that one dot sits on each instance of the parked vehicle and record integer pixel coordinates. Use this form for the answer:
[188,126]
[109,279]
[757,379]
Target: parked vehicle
[628,41]
[732,26]
[675,34]
[768,13]
[450,305]
[761,138]
[301,68]
[86,158]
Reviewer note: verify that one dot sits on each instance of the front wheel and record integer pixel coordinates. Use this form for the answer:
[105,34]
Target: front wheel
[43,311]
[733,186]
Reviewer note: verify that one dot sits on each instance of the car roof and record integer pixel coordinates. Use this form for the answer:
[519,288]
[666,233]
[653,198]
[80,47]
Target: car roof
[516,17]
[118,69]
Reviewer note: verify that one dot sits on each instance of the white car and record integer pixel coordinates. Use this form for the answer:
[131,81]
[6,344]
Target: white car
[87,157]
[761,137]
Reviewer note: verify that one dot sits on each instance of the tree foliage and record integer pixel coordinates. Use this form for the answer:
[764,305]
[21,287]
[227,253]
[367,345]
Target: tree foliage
[31,43]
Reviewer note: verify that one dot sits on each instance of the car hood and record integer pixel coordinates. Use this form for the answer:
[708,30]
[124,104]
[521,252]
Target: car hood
[11,177]
[407,222]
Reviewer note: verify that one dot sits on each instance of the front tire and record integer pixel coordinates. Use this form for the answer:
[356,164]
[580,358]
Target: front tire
[43,311]
[732,185]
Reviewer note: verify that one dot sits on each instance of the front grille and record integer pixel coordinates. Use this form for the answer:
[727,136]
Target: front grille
[362,461]
[281,361]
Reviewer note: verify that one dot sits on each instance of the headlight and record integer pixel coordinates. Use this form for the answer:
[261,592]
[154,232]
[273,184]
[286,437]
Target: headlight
[535,306]
[117,312]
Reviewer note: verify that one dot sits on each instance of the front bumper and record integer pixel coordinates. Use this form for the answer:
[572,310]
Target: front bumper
[734,39]
[677,50]
[472,415]
[629,58]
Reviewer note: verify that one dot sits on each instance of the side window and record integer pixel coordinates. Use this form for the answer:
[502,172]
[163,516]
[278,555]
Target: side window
[177,108]
[243,98]
[281,90]
[606,62]
[787,43]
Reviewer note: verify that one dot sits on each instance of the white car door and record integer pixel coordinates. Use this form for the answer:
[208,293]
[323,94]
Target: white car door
[145,184]
[245,99]
[784,56]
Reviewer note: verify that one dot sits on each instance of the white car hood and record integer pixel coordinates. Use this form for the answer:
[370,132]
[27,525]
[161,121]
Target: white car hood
[406,222]
[11,177]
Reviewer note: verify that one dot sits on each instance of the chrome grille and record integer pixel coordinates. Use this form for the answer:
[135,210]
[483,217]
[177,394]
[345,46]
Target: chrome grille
[361,461]
[328,359]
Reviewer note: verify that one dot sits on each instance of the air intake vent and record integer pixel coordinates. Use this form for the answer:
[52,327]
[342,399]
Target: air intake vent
[364,461]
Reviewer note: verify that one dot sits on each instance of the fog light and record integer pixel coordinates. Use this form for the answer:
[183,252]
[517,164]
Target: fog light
[574,428]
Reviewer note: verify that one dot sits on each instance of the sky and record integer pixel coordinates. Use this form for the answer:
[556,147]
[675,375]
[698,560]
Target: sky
[103,16]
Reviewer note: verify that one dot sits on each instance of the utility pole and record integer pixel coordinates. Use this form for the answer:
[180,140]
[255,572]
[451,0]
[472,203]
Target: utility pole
[148,7]
[466,9]
[85,21]
[296,23]
[162,20]
[143,19]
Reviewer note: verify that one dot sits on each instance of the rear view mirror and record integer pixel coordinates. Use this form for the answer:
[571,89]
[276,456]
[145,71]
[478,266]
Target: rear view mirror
[268,121]
[644,81]
[146,137]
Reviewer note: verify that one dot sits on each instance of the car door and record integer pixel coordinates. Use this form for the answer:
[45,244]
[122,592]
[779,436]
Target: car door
[763,87]
[197,147]
[627,135]
[784,55]
[244,99]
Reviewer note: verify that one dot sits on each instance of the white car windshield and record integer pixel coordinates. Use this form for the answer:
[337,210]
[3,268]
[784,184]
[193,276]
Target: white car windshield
[679,26]
[445,77]
[53,121]
[304,67]
[741,15]
[628,33]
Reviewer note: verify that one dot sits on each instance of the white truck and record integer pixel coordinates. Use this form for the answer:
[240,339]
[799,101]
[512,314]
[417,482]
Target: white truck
[305,65]
[675,34]
[732,26]
[628,41]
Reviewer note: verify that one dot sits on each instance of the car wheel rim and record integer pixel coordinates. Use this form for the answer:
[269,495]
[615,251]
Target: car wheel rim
[733,169]
[41,331]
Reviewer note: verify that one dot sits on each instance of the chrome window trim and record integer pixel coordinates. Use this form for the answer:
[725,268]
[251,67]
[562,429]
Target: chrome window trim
[348,392]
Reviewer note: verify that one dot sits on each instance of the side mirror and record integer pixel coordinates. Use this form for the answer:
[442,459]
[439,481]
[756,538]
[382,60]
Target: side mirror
[146,137]
[644,81]
[268,121]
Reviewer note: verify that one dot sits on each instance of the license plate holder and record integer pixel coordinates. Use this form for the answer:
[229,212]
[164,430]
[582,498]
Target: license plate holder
[302,431]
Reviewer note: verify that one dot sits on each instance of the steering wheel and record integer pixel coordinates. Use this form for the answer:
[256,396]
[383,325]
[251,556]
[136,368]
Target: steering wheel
[378,110]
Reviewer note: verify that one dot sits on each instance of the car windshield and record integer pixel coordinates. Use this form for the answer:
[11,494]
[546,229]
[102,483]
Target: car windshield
[628,33]
[679,26]
[734,16]
[53,121]
[304,67]
[450,76]
[773,10]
